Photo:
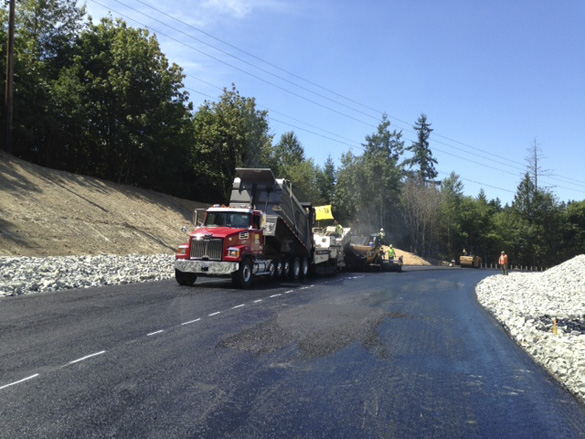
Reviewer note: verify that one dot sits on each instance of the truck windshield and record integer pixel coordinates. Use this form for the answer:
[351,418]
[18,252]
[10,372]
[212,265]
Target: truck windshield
[227,219]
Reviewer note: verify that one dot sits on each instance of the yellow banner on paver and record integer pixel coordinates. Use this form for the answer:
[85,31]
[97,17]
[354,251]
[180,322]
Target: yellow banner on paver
[323,212]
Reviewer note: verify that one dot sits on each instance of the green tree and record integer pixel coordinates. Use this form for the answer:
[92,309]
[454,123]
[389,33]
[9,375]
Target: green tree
[121,110]
[421,211]
[303,176]
[288,152]
[422,157]
[230,133]
[46,31]
[574,231]
[326,178]
[536,225]
[368,186]
[451,236]
[287,160]
[347,199]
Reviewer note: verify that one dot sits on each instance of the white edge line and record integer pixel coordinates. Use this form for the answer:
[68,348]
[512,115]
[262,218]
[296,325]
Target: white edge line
[275,295]
[19,381]
[155,332]
[238,306]
[259,300]
[214,313]
[86,357]
[190,321]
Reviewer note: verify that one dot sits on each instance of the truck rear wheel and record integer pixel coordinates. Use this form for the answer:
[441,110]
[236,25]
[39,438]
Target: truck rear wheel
[271,270]
[285,268]
[243,277]
[279,268]
[304,267]
[295,268]
[185,279]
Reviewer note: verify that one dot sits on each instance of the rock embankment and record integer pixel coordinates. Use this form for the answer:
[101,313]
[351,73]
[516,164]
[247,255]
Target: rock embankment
[545,314]
[25,275]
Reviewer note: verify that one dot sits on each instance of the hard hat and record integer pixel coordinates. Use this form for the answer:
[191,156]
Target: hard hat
[503,252]
[382,229]
[390,245]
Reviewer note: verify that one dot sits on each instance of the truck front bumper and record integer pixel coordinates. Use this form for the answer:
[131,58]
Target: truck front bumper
[207,268]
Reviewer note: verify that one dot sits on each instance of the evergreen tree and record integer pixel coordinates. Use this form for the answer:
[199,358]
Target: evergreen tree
[422,157]
[368,186]
[326,178]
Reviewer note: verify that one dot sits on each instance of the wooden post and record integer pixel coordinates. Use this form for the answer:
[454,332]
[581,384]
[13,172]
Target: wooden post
[9,102]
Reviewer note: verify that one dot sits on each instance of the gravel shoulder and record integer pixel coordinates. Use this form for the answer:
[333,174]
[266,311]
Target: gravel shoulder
[545,314]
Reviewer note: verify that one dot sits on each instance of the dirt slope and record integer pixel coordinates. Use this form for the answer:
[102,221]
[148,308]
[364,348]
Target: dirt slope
[408,258]
[44,212]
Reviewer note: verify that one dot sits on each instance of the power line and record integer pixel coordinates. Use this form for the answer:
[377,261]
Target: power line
[237,68]
[511,164]
[240,59]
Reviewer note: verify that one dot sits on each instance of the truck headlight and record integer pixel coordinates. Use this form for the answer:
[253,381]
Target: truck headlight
[233,252]
[182,250]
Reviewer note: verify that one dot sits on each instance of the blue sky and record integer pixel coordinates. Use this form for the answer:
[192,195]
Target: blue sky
[493,77]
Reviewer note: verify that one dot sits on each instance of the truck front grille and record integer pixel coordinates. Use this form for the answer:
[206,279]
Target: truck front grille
[210,249]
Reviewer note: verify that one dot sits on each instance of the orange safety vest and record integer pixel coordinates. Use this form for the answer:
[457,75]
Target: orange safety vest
[503,259]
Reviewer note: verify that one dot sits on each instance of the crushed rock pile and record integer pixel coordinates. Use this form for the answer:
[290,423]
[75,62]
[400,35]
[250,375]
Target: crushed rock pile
[545,314]
[26,275]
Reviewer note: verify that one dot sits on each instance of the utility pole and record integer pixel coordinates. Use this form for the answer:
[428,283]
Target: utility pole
[8,101]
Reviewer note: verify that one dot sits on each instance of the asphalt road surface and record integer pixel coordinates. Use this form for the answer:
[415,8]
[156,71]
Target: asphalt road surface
[361,355]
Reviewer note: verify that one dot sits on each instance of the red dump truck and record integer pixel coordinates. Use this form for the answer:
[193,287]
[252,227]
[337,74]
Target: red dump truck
[264,231]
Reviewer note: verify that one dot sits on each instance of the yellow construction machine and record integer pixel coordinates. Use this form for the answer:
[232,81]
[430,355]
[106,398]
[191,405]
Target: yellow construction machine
[367,253]
[469,260]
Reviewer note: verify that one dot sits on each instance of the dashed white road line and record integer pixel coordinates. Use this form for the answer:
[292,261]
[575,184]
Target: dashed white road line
[19,381]
[86,357]
[158,332]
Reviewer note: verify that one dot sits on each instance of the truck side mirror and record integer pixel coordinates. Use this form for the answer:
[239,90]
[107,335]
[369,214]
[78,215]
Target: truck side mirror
[199,216]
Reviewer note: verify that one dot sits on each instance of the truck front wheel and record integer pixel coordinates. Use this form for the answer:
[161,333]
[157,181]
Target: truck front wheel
[243,277]
[186,279]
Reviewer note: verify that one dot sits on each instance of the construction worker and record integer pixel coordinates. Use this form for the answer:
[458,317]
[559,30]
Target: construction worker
[391,252]
[503,261]
[338,228]
[382,235]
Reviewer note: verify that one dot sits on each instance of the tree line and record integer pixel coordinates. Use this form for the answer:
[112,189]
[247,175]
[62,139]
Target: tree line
[101,99]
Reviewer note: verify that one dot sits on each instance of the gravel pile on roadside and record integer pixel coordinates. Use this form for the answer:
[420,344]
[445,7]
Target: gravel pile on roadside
[27,275]
[529,304]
